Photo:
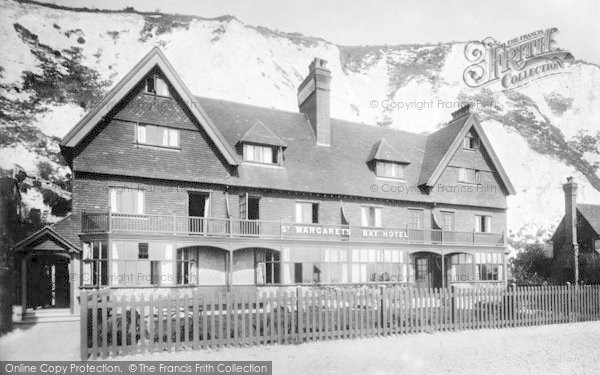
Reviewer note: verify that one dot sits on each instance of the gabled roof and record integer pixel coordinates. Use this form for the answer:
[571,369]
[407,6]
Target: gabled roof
[47,233]
[260,134]
[444,143]
[591,213]
[155,58]
[383,151]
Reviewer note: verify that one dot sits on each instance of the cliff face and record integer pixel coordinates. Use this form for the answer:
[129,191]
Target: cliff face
[56,63]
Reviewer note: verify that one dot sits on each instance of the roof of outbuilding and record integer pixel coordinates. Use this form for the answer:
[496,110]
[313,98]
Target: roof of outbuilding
[591,212]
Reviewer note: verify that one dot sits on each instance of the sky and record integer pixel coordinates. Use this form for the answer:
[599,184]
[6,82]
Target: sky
[400,21]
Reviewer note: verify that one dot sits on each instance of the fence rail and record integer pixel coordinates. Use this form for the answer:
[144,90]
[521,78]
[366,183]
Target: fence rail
[113,325]
[93,222]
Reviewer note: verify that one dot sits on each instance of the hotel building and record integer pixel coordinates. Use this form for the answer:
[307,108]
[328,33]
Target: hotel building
[174,191]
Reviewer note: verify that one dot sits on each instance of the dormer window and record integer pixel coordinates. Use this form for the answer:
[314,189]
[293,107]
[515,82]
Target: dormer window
[470,142]
[262,154]
[390,169]
[156,85]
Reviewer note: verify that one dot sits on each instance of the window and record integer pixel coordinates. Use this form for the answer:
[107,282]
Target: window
[261,154]
[390,169]
[155,84]
[416,219]
[157,136]
[267,266]
[460,268]
[141,264]
[329,266]
[95,264]
[483,224]
[447,221]
[126,201]
[371,217]
[307,213]
[468,175]
[375,265]
[489,266]
[470,142]
[187,266]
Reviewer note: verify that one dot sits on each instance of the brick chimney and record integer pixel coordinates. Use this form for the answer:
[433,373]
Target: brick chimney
[570,189]
[462,111]
[313,100]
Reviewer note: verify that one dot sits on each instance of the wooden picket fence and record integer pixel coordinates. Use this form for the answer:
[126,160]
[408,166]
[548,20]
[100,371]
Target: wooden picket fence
[112,326]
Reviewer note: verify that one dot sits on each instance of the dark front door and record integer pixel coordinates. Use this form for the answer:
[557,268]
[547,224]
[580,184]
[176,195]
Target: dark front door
[428,270]
[48,282]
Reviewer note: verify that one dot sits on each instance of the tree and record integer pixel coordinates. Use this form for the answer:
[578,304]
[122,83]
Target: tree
[531,265]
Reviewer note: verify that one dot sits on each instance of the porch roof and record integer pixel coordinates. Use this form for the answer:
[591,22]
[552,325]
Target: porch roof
[46,239]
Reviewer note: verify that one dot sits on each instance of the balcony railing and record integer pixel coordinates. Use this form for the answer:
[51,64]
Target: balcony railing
[94,222]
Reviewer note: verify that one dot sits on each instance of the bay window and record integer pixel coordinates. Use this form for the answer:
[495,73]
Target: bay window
[95,264]
[489,266]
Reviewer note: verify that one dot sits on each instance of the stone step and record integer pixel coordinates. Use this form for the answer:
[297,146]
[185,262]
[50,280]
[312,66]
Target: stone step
[48,319]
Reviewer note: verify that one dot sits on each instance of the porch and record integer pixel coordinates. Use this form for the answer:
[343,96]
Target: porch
[107,222]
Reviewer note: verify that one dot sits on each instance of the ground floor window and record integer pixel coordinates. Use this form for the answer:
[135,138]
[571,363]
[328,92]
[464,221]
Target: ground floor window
[187,266]
[460,268]
[268,266]
[94,264]
[141,263]
[489,266]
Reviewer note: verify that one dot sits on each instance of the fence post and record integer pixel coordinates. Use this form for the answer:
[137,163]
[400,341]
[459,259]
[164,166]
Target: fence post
[453,303]
[382,317]
[299,309]
[83,324]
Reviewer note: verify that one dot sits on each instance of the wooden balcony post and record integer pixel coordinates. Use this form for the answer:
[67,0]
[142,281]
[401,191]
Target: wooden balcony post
[230,229]
[473,236]
[281,228]
[109,219]
[407,234]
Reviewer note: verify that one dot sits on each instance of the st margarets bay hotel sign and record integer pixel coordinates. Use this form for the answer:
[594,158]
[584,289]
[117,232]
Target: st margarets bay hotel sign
[300,230]
[516,62]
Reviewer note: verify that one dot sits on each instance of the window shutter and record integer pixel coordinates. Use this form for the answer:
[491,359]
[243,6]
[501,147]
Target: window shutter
[207,207]
[477,223]
[243,207]
[141,133]
[113,201]
[173,137]
[364,216]
[488,224]
[140,202]
[165,137]
[378,217]
[299,209]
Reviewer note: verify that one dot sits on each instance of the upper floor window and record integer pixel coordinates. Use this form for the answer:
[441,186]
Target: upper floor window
[307,213]
[261,154]
[470,142]
[157,136]
[483,224]
[126,201]
[371,217]
[155,84]
[390,169]
[447,221]
[416,219]
[468,175]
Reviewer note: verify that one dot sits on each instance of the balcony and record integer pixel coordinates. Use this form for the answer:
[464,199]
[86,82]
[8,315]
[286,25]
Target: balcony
[103,222]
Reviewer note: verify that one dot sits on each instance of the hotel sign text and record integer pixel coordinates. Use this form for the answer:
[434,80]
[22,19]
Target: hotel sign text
[308,230]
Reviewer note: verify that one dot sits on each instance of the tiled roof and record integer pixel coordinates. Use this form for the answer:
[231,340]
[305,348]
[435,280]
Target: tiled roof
[384,152]
[591,212]
[339,169]
[438,144]
[259,133]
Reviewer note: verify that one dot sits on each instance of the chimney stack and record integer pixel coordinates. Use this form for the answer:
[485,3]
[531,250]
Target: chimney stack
[570,189]
[313,100]
[462,111]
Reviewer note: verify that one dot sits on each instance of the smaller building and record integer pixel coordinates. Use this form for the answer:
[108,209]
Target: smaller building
[579,229]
